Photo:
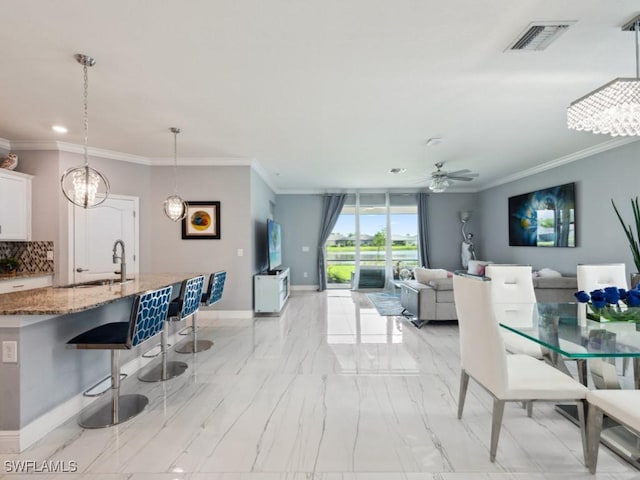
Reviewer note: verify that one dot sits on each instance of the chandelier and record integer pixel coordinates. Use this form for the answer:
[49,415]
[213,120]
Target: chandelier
[174,206]
[439,184]
[85,186]
[613,108]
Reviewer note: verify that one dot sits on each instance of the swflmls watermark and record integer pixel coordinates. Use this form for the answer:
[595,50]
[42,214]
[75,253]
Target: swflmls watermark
[45,466]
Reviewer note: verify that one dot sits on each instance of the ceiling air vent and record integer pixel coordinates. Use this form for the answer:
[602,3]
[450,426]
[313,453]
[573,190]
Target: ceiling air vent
[539,35]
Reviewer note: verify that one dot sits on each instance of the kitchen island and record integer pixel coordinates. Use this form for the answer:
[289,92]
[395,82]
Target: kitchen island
[42,386]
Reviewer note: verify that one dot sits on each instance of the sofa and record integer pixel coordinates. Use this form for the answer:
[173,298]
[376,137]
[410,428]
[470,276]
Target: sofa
[433,300]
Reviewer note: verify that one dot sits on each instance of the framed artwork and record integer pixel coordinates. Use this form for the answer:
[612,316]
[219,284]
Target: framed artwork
[544,218]
[202,221]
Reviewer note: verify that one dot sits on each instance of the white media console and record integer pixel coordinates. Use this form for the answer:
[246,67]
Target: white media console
[270,292]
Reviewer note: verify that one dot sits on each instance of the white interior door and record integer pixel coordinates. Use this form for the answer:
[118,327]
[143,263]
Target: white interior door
[95,230]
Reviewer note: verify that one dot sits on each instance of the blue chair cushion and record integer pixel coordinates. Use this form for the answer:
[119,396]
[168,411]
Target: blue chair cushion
[107,336]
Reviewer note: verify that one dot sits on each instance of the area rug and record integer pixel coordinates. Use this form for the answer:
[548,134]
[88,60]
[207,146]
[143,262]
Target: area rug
[386,303]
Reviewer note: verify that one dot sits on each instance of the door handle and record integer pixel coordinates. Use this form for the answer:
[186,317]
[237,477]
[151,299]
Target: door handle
[80,270]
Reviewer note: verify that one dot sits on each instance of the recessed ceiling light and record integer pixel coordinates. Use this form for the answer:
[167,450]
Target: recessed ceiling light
[434,141]
[397,170]
[59,129]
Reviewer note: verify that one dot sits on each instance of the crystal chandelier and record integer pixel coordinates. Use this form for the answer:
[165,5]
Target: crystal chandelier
[439,184]
[85,186]
[613,108]
[174,206]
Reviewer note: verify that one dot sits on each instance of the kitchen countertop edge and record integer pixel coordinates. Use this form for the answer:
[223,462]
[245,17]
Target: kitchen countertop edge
[62,301]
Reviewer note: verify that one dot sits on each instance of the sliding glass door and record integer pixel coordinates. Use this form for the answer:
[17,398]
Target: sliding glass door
[374,239]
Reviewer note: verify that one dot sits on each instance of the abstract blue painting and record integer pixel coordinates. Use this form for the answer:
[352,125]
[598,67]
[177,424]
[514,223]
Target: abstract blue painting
[544,218]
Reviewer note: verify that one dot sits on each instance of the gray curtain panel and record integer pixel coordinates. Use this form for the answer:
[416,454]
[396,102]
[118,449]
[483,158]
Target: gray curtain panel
[331,208]
[423,229]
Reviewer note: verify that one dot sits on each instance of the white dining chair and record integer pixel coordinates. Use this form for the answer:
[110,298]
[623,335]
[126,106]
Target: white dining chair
[515,302]
[510,285]
[621,406]
[507,378]
[593,277]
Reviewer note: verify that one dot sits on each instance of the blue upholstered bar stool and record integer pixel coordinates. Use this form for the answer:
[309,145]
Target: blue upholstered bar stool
[211,296]
[148,316]
[179,308]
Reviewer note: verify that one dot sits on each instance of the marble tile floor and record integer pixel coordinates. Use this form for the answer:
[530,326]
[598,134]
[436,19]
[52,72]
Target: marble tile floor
[329,390]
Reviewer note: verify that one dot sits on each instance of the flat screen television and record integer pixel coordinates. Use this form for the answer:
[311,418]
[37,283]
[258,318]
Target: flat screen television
[543,218]
[274,243]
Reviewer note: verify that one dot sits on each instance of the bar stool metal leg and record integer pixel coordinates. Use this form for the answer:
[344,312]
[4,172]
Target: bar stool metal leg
[195,345]
[166,369]
[120,409]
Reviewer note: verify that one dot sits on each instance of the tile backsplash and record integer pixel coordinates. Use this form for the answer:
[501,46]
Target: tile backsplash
[31,255]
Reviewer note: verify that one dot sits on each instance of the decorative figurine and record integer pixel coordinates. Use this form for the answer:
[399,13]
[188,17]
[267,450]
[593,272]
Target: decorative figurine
[10,163]
[467,251]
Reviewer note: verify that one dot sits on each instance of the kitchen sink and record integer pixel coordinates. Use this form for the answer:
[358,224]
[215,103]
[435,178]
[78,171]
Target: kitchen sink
[96,283]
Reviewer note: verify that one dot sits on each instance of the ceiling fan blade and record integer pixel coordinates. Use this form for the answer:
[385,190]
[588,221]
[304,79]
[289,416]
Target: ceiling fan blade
[464,179]
[458,172]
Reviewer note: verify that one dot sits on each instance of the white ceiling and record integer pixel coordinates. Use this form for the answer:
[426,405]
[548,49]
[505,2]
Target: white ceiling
[323,94]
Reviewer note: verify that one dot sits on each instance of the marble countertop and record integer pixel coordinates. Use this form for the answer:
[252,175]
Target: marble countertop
[60,301]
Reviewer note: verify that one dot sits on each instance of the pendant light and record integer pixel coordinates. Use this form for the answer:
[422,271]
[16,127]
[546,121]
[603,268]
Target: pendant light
[174,206]
[85,186]
[614,108]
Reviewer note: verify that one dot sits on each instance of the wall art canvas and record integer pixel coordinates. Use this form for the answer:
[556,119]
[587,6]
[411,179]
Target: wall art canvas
[543,218]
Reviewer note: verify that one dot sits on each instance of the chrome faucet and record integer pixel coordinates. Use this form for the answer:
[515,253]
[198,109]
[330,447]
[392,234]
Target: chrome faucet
[122,257]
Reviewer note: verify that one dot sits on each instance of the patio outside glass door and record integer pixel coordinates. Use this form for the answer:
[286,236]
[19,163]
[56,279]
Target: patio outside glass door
[376,233]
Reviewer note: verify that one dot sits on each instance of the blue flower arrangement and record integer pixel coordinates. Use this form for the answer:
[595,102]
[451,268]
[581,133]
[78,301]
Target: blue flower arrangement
[612,304]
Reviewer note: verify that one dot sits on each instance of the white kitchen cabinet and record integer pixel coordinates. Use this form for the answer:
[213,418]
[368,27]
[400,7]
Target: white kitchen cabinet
[15,206]
[25,283]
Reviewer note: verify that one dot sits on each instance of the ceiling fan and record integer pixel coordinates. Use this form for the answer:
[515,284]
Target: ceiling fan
[441,180]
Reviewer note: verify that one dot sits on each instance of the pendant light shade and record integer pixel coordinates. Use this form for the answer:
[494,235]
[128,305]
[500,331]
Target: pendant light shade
[614,108]
[174,206]
[85,186]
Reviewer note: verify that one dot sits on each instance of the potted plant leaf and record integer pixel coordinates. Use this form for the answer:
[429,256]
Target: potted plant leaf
[9,265]
[633,237]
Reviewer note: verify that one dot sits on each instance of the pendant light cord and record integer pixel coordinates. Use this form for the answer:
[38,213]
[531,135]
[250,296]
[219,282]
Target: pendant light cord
[86,114]
[175,159]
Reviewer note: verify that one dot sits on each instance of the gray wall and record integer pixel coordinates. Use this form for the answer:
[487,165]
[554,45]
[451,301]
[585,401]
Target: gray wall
[445,234]
[170,253]
[300,217]
[600,239]
[45,186]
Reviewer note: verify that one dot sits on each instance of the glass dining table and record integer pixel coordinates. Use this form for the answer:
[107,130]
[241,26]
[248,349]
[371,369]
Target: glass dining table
[564,332]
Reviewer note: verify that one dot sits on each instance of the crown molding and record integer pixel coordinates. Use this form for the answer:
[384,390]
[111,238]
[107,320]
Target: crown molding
[5,144]
[201,162]
[264,175]
[572,157]
[74,148]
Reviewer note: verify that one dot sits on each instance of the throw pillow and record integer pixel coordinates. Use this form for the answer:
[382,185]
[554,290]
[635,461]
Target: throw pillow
[548,273]
[425,275]
[476,267]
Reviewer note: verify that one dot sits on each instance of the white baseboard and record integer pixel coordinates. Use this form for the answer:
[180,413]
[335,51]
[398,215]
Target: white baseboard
[9,441]
[16,441]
